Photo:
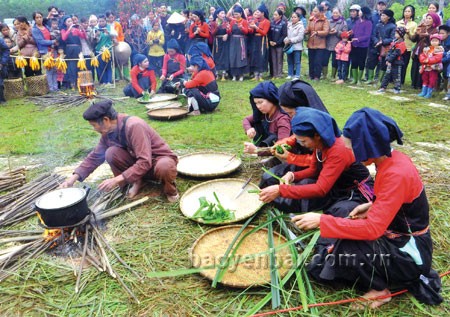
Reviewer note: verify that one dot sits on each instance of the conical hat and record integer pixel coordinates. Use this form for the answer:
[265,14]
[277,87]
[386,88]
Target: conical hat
[175,18]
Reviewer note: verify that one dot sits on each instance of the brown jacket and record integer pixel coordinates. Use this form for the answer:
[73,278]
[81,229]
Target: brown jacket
[422,38]
[322,27]
[142,142]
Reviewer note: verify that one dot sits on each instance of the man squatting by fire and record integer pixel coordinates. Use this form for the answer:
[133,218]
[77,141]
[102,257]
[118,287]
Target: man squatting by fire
[134,151]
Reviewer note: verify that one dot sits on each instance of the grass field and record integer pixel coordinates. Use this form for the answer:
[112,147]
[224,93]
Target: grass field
[157,237]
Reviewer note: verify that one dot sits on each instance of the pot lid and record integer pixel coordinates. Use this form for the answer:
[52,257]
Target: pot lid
[61,198]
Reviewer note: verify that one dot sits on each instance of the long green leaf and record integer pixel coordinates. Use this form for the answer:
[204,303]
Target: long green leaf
[302,258]
[274,283]
[224,262]
[273,175]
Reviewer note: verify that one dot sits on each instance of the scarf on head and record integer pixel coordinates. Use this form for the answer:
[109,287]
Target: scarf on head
[299,93]
[371,133]
[311,120]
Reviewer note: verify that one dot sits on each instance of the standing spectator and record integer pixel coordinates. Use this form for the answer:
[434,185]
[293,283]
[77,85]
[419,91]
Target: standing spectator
[394,62]
[163,16]
[277,34]
[384,36]
[295,34]
[12,71]
[42,36]
[337,26]
[52,13]
[71,34]
[115,27]
[187,25]
[433,7]
[302,12]
[282,6]
[407,22]
[136,36]
[199,29]
[4,59]
[175,29]
[221,47]
[327,7]
[259,27]
[149,20]
[422,39]
[5,31]
[155,40]
[361,34]
[26,44]
[354,16]
[342,51]
[238,31]
[318,29]
[374,52]
[104,39]
[87,46]
[93,21]
[431,65]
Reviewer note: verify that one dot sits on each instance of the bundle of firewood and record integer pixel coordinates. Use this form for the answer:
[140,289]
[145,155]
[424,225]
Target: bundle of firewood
[12,179]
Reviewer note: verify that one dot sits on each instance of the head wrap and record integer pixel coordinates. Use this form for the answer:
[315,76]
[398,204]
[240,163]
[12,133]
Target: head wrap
[199,13]
[238,9]
[64,19]
[98,110]
[299,93]
[263,9]
[371,133]
[436,19]
[199,49]
[173,44]
[199,61]
[444,27]
[366,11]
[139,58]
[311,120]
[216,13]
[266,90]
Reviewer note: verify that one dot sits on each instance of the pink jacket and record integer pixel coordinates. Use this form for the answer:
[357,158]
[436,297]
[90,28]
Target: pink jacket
[343,51]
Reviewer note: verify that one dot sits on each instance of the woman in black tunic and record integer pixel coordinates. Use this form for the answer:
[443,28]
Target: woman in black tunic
[259,44]
[220,42]
[237,31]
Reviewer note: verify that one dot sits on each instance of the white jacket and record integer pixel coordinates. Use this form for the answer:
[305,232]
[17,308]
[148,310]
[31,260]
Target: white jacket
[295,33]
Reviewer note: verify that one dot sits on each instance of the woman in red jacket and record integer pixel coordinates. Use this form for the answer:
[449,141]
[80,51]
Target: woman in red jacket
[333,182]
[142,78]
[174,65]
[202,90]
[386,242]
[199,29]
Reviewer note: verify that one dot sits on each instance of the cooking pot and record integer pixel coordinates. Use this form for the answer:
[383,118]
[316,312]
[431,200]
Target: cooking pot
[64,207]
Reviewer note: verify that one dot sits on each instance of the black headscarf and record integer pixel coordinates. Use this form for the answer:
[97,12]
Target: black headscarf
[298,93]
[266,90]
[216,13]
[371,133]
[262,8]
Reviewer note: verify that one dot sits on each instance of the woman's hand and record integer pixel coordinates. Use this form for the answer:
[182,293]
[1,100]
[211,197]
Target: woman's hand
[308,221]
[269,194]
[249,148]
[360,211]
[225,37]
[251,133]
[162,77]
[282,156]
[288,178]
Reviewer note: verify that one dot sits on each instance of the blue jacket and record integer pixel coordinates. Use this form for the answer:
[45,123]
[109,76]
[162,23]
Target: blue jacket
[385,33]
[41,43]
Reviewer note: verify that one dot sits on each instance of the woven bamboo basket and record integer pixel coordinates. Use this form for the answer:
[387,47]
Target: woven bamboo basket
[250,265]
[14,88]
[36,85]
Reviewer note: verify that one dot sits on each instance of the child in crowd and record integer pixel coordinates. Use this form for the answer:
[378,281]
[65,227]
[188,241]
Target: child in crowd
[13,71]
[343,49]
[155,39]
[54,73]
[431,65]
[394,62]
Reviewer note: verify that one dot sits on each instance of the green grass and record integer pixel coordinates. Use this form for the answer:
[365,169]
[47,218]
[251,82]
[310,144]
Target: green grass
[156,237]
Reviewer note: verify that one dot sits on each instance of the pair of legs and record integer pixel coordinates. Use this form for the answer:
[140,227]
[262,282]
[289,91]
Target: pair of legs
[164,169]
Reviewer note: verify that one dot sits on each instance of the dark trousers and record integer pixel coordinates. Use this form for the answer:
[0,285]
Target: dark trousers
[416,78]
[406,59]
[104,71]
[164,168]
[393,73]
[204,103]
[156,64]
[342,67]
[326,59]
[276,58]
[372,59]
[358,56]
[144,82]
[316,57]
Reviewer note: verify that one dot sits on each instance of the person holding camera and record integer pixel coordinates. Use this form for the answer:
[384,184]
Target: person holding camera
[71,35]
[104,40]
[4,58]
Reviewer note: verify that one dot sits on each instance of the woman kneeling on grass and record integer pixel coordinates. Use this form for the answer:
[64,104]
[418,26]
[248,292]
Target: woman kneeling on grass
[142,78]
[268,123]
[202,90]
[333,182]
[387,242]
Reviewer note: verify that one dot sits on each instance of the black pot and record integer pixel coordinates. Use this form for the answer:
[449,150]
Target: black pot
[63,207]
